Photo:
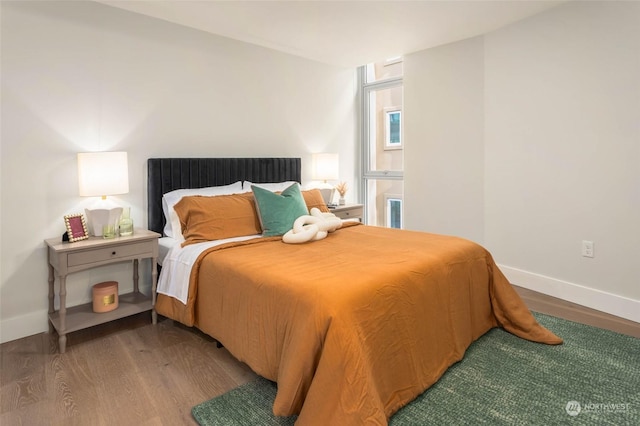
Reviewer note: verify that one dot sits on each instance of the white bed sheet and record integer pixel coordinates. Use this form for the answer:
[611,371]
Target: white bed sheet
[178,262]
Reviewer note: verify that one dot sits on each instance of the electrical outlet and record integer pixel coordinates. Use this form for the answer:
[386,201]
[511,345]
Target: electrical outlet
[587,248]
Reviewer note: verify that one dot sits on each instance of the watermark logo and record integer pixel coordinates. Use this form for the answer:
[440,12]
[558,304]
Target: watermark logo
[573,408]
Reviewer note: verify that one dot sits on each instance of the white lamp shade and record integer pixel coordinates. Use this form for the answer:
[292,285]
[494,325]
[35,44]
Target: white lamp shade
[103,173]
[325,167]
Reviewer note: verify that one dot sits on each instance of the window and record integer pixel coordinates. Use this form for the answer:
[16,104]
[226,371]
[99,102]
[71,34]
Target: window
[393,217]
[380,208]
[382,144]
[382,115]
[392,134]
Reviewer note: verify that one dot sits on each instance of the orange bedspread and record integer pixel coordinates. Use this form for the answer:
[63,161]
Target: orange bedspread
[354,326]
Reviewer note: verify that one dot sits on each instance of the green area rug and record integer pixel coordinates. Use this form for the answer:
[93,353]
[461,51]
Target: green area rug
[593,378]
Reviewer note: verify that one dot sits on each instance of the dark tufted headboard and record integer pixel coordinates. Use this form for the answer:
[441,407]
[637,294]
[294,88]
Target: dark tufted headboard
[168,174]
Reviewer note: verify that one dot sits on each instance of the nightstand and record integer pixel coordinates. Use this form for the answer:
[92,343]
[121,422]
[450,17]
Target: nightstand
[64,258]
[348,211]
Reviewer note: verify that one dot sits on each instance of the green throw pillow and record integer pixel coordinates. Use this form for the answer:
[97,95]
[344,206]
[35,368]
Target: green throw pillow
[277,212]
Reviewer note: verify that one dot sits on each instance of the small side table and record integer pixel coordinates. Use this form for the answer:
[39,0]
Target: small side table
[64,258]
[348,211]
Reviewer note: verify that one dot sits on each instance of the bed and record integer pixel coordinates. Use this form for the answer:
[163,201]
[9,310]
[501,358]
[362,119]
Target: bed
[351,327]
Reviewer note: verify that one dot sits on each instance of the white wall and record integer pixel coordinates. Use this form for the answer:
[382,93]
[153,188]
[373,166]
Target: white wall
[443,110]
[81,76]
[534,131]
[562,143]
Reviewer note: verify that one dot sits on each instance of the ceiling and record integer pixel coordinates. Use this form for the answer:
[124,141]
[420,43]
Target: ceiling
[342,33]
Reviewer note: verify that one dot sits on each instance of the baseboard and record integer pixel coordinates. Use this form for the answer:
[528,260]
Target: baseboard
[23,326]
[609,303]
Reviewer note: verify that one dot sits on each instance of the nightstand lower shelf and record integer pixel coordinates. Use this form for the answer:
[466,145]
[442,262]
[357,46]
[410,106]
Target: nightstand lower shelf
[82,316]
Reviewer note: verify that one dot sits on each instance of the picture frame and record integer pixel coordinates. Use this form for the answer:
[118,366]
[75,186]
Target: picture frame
[76,227]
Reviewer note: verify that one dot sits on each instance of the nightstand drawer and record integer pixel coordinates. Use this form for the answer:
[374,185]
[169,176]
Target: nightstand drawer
[109,253]
[352,213]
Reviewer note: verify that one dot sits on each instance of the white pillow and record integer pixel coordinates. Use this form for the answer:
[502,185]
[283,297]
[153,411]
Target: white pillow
[273,187]
[172,228]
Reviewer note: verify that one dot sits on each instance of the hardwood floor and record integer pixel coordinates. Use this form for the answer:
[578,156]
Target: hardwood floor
[132,373]
[124,373]
[570,311]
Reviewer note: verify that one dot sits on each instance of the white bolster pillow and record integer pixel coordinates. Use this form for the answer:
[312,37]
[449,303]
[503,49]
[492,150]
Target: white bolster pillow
[312,227]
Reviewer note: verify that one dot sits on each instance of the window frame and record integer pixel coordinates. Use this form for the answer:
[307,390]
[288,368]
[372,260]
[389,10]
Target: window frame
[366,173]
[366,89]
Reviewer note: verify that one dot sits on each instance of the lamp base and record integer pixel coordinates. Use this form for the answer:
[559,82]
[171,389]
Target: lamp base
[100,214]
[327,194]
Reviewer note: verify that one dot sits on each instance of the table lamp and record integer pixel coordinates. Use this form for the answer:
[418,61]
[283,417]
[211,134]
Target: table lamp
[101,174]
[325,167]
